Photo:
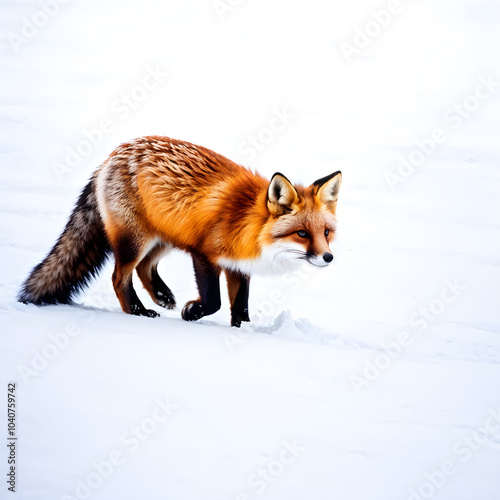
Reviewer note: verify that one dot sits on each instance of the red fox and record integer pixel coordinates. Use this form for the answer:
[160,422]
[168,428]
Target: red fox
[153,194]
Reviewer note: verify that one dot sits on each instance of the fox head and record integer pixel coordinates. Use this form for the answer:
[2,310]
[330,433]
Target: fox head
[302,220]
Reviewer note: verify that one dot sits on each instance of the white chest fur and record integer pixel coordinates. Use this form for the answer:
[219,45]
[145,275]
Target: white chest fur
[278,258]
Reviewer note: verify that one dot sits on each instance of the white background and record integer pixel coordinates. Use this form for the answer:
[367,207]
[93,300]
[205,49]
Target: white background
[417,256]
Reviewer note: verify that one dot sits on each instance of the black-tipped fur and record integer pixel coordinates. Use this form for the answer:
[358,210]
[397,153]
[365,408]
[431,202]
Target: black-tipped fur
[76,258]
[321,181]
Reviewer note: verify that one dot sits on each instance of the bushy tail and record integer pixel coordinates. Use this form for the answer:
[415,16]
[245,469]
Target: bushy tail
[76,258]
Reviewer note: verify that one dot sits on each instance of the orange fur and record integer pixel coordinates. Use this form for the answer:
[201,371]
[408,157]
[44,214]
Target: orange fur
[197,200]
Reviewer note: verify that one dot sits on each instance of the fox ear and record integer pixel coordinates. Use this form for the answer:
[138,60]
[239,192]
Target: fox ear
[282,197]
[327,190]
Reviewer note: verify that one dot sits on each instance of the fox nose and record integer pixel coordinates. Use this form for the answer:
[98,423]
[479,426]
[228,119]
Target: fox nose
[327,257]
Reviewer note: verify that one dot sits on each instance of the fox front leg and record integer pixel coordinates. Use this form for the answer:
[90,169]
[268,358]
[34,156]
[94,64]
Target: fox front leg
[207,279]
[238,286]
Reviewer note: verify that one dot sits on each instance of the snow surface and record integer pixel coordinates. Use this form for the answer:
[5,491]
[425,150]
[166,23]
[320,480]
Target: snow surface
[376,378]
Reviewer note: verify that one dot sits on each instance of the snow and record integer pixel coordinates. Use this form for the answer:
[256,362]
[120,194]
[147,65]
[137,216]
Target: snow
[374,378]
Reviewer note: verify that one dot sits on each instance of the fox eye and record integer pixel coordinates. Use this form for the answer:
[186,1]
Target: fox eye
[327,232]
[303,234]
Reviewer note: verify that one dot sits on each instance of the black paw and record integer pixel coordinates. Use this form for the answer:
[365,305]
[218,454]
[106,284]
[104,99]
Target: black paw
[165,298]
[192,311]
[237,318]
[142,311]
[237,321]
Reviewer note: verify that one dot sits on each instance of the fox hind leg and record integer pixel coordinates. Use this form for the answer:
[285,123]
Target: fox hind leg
[147,271]
[207,279]
[127,250]
[238,286]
